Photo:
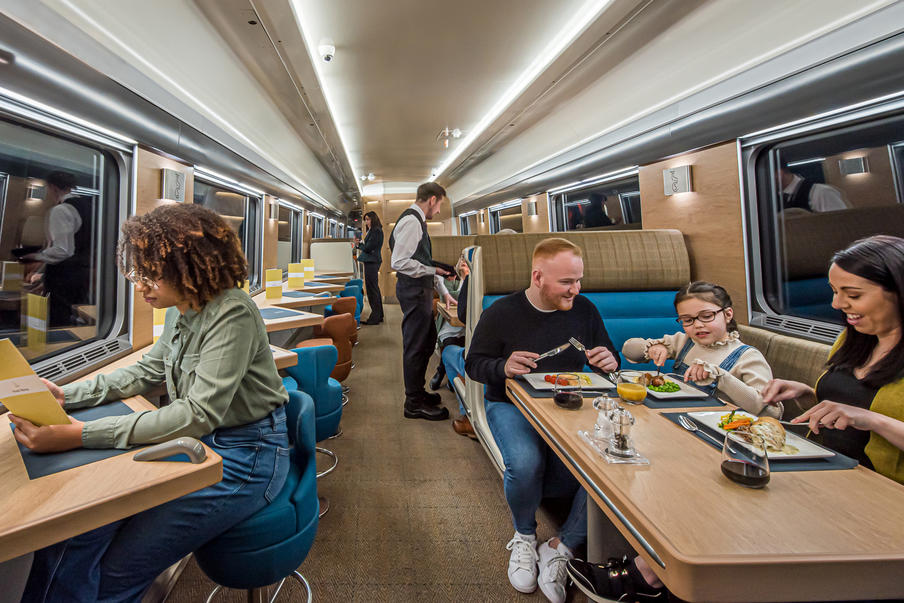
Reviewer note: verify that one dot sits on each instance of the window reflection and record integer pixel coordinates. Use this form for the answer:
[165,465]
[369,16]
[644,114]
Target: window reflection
[613,205]
[823,193]
[51,192]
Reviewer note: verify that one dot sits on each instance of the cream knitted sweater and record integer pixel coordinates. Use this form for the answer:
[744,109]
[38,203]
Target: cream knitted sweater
[742,385]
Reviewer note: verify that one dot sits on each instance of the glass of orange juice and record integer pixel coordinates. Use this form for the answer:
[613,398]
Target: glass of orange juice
[628,391]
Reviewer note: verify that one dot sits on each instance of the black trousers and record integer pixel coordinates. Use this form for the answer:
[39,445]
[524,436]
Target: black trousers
[418,335]
[372,286]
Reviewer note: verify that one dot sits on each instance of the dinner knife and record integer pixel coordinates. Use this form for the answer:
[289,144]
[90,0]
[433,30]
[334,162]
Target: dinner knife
[553,351]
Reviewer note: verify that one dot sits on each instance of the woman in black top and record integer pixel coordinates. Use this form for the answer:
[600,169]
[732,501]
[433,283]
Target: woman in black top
[370,253]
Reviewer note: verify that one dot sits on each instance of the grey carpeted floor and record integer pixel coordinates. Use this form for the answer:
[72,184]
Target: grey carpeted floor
[417,511]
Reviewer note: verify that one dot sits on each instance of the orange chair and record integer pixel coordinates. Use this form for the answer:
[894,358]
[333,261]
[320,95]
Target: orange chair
[336,330]
[346,305]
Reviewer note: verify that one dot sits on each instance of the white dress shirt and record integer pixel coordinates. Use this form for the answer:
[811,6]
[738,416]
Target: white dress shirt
[407,235]
[62,223]
[823,197]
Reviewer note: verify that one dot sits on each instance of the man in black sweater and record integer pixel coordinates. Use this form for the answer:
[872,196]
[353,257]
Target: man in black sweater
[511,334]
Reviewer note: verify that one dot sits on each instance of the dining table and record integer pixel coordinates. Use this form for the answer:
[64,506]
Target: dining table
[816,535]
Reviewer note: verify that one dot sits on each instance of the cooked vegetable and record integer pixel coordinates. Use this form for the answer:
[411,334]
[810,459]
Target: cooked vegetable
[666,387]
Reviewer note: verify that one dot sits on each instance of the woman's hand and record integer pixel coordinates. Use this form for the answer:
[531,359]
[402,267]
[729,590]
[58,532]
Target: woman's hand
[696,373]
[48,438]
[834,415]
[779,390]
[658,353]
[56,390]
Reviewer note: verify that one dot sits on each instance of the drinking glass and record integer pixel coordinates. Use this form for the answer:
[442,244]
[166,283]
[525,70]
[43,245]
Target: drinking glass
[744,459]
[567,391]
[629,391]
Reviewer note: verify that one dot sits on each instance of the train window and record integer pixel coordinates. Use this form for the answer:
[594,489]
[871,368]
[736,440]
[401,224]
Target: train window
[59,204]
[288,239]
[241,211]
[467,224]
[613,204]
[814,194]
[316,226]
[507,215]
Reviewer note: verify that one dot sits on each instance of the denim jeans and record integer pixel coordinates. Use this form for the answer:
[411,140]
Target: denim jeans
[119,561]
[532,472]
[454,361]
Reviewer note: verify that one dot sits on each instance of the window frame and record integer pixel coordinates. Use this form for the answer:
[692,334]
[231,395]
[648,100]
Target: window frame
[761,245]
[254,224]
[114,334]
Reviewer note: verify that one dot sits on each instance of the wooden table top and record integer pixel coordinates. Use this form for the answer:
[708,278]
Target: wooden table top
[333,280]
[283,358]
[292,302]
[450,315]
[808,535]
[334,273]
[324,288]
[39,512]
[300,319]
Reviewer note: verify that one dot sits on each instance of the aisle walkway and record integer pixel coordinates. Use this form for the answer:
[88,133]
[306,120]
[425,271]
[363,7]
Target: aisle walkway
[417,512]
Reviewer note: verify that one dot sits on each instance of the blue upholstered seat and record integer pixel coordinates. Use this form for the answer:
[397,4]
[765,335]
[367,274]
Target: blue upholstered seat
[312,376]
[272,543]
[628,314]
[356,291]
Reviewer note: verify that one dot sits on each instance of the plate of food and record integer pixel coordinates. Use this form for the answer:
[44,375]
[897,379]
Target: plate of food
[664,387]
[546,381]
[779,442]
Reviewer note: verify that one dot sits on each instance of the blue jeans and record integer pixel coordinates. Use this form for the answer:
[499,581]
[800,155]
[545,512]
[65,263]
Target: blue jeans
[454,360]
[533,471]
[119,561]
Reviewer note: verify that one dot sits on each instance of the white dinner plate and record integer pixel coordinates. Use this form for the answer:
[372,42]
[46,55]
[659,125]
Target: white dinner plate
[806,448]
[588,381]
[684,392]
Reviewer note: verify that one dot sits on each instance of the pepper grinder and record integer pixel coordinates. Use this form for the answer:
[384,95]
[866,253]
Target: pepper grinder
[620,443]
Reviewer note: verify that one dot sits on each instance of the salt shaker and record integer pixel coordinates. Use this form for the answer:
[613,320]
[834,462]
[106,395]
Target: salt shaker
[602,429]
[620,441]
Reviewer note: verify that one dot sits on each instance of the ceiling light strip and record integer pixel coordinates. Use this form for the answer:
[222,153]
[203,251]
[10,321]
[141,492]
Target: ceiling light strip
[224,123]
[223,180]
[600,179]
[313,54]
[582,18]
[506,205]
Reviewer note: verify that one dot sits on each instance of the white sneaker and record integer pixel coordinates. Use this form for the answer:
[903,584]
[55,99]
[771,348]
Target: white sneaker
[552,571]
[522,567]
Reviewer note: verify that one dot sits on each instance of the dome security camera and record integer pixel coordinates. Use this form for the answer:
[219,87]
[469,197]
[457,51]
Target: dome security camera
[326,50]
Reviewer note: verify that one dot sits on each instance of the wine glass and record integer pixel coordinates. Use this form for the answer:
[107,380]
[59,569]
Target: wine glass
[744,459]
[629,391]
[567,391]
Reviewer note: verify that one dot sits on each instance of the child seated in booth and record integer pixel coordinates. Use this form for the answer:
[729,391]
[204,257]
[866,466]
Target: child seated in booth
[709,352]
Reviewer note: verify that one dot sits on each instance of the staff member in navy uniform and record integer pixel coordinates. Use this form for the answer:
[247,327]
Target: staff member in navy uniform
[412,259]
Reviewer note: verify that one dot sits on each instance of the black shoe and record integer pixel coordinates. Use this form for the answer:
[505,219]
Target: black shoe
[431,399]
[438,377]
[419,410]
[617,580]
[371,322]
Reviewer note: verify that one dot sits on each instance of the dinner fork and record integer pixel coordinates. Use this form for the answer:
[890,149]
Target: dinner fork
[581,348]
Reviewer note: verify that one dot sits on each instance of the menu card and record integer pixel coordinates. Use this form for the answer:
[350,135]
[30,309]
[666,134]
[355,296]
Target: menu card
[23,393]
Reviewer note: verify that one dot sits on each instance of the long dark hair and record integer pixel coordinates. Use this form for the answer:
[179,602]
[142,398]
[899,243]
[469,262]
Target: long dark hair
[880,260]
[374,220]
[708,292]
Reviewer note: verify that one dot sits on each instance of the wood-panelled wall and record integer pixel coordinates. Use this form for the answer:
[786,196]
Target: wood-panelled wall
[709,217]
[271,236]
[540,222]
[149,195]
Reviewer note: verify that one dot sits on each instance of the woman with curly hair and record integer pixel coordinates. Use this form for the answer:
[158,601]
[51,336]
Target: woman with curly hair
[215,360]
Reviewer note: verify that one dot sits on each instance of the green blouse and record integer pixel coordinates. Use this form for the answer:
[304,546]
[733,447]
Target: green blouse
[218,370]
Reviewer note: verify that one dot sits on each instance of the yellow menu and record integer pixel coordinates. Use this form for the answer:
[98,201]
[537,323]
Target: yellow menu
[23,393]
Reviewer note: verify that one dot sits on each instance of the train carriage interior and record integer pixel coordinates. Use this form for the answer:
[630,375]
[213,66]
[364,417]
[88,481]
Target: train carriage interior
[655,143]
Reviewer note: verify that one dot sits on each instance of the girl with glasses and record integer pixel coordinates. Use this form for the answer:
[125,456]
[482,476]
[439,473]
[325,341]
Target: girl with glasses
[709,352]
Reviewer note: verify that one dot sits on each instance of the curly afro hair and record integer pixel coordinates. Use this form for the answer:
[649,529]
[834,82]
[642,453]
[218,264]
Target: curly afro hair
[188,246]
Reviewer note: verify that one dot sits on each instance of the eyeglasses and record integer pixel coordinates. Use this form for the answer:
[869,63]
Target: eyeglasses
[704,317]
[142,281]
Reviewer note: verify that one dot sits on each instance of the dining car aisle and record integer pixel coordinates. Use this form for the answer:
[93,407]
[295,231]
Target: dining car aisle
[417,512]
